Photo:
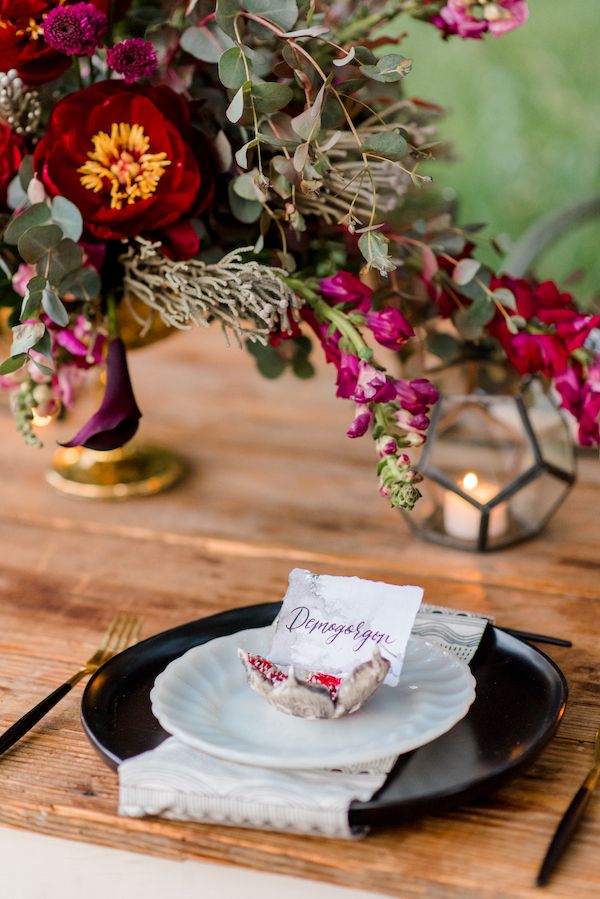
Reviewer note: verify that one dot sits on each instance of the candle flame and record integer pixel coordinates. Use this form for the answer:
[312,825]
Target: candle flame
[470,481]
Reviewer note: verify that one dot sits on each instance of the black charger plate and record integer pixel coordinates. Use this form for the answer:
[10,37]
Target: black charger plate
[521,697]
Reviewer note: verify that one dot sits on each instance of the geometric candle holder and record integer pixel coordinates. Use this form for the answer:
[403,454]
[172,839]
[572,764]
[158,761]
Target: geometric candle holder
[496,467]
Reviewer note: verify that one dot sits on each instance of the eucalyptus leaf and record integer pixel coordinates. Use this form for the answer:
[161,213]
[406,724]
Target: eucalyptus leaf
[389,68]
[514,323]
[270,97]
[235,110]
[281,12]
[302,368]
[465,270]
[205,42]
[226,12]
[247,211]
[32,217]
[54,308]
[245,187]
[82,284]
[31,305]
[65,258]
[443,345]
[308,123]
[478,288]
[224,153]
[25,336]
[346,58]
[365,56]
[301,157]
[471,320]
[68,217]
[313,31]
[388,144]
[45,370]
[35,243]
[16,197]
[234,68]
[268,361]
[505,297]
[375,248]
[241,155]
[26,171]
[44,346]
[13,363]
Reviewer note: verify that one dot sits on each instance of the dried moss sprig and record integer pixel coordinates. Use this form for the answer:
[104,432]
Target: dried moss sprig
[246,297]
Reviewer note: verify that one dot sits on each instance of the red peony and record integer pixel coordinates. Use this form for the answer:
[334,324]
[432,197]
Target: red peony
[11,154]
[122,154]
[22,45]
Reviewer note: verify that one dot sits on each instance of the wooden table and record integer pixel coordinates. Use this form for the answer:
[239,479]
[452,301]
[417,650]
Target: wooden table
[274,483]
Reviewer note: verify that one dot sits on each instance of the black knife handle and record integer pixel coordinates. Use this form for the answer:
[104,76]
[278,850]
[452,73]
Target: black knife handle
[564,832]
[31,718]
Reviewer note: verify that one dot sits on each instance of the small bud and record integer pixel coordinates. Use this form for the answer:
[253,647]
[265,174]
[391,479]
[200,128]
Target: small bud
[36,192]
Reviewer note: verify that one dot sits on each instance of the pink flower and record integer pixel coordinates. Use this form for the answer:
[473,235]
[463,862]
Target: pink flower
[471,19]
[362,421]
[81,341]
[580,395]
[133,58]
[386,446]
[359,381]
[417,395]
[537,353]
[75,30]
[346,288]
[389,327]
[68,381]
[22,277]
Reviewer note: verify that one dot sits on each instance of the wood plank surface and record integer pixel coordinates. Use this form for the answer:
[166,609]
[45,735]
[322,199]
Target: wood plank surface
[274,483]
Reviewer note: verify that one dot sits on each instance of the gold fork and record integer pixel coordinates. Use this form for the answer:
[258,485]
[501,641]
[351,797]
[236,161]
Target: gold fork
[571,817]
[124,631]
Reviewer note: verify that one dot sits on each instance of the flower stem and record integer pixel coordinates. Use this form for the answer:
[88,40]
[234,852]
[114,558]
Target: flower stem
[111,314]
[77,67]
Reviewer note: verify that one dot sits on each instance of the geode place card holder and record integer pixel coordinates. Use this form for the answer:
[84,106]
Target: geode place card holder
[336,639]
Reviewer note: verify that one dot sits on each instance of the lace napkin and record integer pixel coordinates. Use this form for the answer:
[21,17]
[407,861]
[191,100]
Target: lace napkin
[186,784]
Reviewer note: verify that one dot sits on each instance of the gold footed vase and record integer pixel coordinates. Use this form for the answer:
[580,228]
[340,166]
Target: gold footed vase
[136,469]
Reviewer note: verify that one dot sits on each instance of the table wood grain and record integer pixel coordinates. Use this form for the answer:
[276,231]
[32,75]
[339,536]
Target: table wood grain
[273,484]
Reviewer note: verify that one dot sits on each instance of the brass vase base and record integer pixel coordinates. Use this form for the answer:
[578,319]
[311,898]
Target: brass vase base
[137,469]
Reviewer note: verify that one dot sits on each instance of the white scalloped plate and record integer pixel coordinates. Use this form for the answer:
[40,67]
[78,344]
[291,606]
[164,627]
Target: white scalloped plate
[203,699]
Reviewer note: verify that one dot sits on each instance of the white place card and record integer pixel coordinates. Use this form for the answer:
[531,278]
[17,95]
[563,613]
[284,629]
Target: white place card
[332,624]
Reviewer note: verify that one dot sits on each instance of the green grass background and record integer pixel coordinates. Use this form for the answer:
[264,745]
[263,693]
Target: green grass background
[524,118]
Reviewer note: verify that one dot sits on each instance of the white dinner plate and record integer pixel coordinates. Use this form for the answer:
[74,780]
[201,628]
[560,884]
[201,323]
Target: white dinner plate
[203,698]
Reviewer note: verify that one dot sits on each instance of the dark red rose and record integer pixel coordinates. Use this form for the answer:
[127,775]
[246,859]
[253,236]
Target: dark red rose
[123,155]
[11,154]
[22,45]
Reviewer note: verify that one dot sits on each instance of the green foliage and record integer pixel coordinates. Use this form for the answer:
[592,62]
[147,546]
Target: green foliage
[37,215]
[390,68]
[292,353]
[234,68]
[206,42]
[389,144]
[68,218]
[471,320]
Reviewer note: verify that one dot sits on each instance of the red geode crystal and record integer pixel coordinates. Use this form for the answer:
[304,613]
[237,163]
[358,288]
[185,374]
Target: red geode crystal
[314,678]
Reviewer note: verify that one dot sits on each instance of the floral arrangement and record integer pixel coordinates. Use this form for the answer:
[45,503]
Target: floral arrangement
[255,163]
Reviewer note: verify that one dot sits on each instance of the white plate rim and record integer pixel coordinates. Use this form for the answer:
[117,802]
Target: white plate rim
[300,762]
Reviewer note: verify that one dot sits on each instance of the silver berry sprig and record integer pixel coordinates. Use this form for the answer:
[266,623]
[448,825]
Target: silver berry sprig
[20,108]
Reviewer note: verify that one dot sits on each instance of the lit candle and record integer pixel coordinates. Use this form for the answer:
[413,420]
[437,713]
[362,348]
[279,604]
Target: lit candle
[462,520]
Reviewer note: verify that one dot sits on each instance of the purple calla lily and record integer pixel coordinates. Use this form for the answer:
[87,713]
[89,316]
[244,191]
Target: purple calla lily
[117,419]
